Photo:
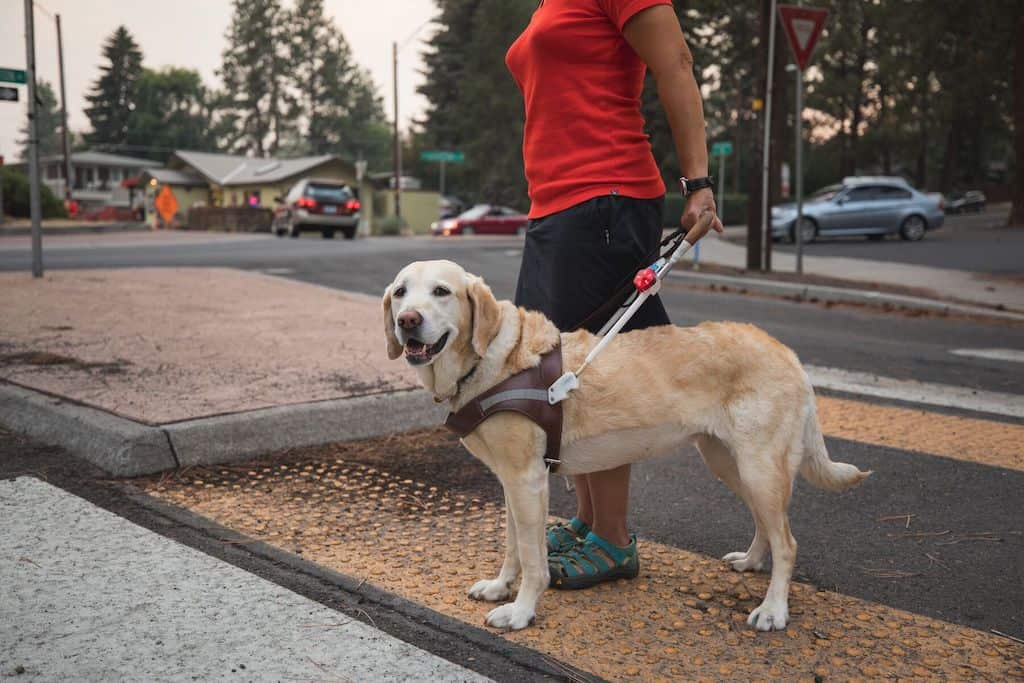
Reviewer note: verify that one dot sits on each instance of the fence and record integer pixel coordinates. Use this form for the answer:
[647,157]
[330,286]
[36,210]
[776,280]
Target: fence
[238,219]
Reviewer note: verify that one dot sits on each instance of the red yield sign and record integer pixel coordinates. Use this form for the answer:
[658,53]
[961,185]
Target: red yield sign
[803,28]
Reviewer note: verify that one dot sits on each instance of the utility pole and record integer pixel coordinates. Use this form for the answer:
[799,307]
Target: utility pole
[33,143]
[64,115]
[397,141]
[766,155]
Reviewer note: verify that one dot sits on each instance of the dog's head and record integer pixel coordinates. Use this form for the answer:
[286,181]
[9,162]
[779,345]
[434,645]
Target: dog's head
[437,313]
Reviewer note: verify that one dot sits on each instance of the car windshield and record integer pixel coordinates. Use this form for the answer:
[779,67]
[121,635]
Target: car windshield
[824,194]
[478,211]
[328,193]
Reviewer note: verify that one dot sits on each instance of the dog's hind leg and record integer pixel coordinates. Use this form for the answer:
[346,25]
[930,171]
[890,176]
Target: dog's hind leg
[768,489]
[500,588]
[723,465]
[527,497]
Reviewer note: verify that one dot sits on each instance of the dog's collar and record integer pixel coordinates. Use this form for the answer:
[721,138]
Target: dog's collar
[458,384]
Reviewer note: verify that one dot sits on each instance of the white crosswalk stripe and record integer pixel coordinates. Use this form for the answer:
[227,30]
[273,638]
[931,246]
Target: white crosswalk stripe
[1011,355]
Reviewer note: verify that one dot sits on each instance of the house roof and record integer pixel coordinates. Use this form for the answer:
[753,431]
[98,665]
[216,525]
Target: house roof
[104,159]
[168,176]
[228,169]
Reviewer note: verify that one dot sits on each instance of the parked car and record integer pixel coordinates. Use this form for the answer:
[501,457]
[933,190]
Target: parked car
[972,201]
[483,219]
[323,205]
[864,205]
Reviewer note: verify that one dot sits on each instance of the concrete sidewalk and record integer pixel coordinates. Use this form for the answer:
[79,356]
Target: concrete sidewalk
[90,596]
[945,283]
[144,369]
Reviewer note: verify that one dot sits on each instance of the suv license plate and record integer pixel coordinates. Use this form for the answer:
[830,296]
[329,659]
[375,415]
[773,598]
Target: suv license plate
[330,209]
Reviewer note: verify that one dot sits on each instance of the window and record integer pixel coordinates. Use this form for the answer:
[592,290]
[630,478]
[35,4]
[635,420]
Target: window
[323,192]
[52,171]
[862,194]
[890,193]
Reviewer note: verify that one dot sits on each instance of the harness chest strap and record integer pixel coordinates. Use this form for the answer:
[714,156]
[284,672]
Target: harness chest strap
[525,393]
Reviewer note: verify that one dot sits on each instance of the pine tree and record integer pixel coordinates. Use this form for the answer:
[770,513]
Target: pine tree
[112,99]
[48,123]
[254,106]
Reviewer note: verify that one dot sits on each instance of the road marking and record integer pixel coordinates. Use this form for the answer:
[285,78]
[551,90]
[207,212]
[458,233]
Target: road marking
[95,597]
[681,619]
[912,391]
[1011,355]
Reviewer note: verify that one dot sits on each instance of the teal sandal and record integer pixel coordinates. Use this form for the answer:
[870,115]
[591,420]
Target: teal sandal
[564,535]
[593,561]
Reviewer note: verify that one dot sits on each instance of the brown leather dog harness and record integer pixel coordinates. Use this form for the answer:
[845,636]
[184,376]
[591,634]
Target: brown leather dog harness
[525,393]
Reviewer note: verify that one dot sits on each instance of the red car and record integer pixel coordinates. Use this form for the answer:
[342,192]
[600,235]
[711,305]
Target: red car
[483,219]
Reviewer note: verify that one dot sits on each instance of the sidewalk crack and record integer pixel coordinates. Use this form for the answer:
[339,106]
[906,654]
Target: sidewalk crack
[174,452]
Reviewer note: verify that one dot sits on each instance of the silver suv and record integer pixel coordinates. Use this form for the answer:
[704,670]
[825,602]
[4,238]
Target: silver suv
[874,206]
[324,205]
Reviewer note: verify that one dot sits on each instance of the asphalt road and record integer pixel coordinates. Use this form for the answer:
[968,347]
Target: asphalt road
[977,242]
[860,339]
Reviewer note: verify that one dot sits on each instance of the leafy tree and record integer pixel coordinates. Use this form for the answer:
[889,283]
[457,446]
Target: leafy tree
[113,99]
[48,123]
[254,105]
[172,112]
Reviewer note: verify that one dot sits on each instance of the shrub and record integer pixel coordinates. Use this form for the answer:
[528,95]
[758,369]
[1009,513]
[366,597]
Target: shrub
[16,196]
[392,225]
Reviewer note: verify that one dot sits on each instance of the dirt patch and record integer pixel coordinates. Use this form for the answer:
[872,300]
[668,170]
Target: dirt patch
[47,359]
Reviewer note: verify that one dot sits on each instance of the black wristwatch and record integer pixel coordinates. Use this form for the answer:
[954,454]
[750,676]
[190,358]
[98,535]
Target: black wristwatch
[690,185]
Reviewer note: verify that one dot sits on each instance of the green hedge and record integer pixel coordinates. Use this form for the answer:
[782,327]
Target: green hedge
[16,193]
[733,211]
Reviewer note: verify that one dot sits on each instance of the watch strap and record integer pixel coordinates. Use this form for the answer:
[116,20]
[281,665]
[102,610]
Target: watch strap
[690,185]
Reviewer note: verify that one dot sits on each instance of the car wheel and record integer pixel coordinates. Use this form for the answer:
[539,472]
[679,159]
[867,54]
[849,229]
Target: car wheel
[349,233]
[877,237]
[468,230]
[328,234]
[913,228]
[808,230]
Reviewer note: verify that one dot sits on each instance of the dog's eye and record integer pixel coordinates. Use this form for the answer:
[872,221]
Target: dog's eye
[398,293]
[441,291]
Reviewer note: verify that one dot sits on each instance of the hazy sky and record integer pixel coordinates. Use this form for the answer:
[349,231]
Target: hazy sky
[190,33]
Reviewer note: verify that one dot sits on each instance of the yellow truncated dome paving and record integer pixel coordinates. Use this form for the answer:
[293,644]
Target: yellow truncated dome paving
[349,507]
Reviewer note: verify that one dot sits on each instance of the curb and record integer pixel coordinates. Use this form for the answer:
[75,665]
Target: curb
[117,445]
[126,448]
[96,229]
[841,294]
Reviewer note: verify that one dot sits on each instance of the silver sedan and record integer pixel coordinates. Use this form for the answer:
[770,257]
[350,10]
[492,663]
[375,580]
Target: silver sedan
[874,207]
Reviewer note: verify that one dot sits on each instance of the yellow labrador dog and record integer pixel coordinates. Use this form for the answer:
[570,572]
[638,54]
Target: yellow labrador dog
[737,393]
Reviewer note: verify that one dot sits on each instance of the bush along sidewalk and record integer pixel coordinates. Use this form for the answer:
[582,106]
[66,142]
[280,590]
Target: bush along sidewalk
[16,196]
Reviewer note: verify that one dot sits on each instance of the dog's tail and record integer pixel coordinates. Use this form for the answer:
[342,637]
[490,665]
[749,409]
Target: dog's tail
[816,467]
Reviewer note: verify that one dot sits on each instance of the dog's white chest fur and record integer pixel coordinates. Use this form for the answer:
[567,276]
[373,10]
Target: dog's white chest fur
[611,449]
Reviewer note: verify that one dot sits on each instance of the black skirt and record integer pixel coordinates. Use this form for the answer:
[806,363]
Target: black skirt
[575,260]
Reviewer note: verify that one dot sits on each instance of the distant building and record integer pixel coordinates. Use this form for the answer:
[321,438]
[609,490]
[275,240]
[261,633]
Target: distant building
[96,177]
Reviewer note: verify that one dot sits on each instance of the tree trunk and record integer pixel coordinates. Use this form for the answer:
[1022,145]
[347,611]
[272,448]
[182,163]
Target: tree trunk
[1017,213]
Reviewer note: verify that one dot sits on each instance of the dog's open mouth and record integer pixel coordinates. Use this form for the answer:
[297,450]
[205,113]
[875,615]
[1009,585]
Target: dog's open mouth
[417,353]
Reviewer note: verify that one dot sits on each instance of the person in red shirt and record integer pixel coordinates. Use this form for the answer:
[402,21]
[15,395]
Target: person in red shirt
[596,202]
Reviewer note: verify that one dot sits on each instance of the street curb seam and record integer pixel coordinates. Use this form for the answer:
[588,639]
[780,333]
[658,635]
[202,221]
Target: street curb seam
[358,591]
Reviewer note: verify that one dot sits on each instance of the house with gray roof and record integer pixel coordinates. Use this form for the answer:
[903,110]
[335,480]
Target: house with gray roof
[97,178]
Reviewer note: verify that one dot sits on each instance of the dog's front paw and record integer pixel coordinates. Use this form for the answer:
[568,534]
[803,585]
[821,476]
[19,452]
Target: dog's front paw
[743,562]
[511,617]
[491,590]
[769,616]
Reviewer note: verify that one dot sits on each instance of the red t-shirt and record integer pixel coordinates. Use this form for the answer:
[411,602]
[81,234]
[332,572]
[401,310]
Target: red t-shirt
[581,82]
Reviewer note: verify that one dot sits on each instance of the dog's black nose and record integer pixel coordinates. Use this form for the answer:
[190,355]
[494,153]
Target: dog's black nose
[409,320]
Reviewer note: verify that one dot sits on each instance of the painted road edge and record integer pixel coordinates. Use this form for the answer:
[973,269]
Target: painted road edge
[842,294]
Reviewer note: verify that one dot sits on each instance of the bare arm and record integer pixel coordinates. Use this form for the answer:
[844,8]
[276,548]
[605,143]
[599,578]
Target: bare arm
[655,35]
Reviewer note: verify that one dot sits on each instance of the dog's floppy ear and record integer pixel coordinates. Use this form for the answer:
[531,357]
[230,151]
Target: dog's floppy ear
[486,314]
[394,346]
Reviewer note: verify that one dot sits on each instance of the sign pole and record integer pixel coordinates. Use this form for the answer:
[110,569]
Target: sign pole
[397,142]
[799,171]
[442,177]
[766,154]
[33,144]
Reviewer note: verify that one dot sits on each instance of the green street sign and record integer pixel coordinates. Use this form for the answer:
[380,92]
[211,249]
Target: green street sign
[438,155]
[12,76]
[721,149]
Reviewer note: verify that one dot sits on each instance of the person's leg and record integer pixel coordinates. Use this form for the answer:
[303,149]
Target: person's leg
[584,504]
[609,497]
